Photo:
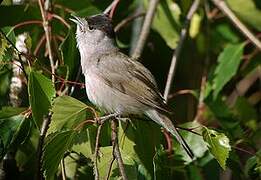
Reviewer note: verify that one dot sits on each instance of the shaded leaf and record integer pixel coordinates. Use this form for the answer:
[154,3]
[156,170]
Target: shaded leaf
[133,139]
[218,145]
[10,121]
[249,13]
[69,51]
[54,149]
[228,63]
[68,112]
[41,92]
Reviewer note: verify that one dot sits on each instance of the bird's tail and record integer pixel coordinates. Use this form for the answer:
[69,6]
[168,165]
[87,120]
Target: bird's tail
[164,121]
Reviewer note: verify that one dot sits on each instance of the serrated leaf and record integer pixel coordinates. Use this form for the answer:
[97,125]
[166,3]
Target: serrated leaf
[41,92]
[104,162]
[54,150]
[228,63]
[218,145]
[10,121]
[166,21]
[67,113]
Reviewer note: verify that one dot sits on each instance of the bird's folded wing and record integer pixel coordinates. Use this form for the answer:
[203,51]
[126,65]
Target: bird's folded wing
[131,78]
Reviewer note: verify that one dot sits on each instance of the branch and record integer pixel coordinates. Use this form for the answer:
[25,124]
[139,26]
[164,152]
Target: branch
[43,132]
[145,28]
[127,20]
[176,54]
[243,85]
[111,7]
[18,52]
[221,4]
[116,149]
[96,171]
[48,38]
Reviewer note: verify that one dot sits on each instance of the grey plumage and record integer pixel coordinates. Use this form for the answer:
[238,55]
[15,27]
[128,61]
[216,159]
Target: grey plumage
[115,82]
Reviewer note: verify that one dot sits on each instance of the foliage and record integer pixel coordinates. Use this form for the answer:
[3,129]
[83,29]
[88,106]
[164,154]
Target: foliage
[218,66]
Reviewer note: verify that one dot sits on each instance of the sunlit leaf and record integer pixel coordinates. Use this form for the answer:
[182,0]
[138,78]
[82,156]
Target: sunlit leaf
[105,160]
[41,93]
[249,13]
[218,144]
[68,112]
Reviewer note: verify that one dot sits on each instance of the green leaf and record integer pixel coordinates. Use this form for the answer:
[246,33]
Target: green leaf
[69,51]
[252,168]
[68,112]
[55,147]
[228,63]
[195,142]
[10,121]
[133,139]
[3,47]
[105,159]
[166,21]
[41,93]
[218,144]
[249,13]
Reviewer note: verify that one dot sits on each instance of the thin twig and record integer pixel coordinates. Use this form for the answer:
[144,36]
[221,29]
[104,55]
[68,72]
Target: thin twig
[243,85]
[61,20]
[48,38]
[221,4]
[177,52]
[96,171]
[113,9]
[109,8]
[116,148]
[63,169]
[145,28]
[39,44]
[127,20]
[27,23]
[110,167]
[44,128]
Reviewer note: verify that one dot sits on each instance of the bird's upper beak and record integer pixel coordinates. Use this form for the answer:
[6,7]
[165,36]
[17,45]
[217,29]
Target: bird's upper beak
[78,20]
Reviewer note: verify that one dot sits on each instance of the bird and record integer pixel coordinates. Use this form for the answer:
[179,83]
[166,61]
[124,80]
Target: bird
[115,82]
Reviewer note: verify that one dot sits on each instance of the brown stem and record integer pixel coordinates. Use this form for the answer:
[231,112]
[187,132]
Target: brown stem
[27,23]
[127,20]
[221,4]
[183,35]
[116,148]
[39,44]
[96,171]
[145,28]
[47,31]
[61,20]
[44,128]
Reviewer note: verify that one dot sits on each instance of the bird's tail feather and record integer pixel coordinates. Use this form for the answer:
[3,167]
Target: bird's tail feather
[164,121]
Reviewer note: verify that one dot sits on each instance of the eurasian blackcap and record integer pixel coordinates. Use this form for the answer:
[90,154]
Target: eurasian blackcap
[115,82]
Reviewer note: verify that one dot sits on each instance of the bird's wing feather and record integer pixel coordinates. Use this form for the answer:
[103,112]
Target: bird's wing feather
[132,78]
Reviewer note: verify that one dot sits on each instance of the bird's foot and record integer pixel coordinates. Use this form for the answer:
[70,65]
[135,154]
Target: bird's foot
[102,119]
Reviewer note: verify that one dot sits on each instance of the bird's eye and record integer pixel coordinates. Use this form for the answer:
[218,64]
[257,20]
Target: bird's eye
[91,28]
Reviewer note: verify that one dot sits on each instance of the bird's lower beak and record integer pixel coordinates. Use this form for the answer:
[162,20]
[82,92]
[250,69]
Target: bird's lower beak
[77,20]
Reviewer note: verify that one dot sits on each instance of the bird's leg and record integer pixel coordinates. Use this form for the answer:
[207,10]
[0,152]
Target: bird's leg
[102,119]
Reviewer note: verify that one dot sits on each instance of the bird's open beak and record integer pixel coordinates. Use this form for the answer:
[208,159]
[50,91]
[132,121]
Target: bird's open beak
[77,20]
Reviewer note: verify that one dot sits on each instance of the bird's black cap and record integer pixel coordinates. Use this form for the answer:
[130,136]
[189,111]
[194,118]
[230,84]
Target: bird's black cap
[101,22]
